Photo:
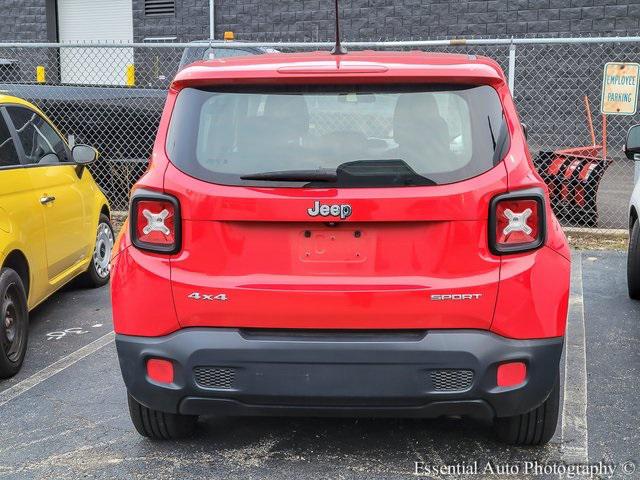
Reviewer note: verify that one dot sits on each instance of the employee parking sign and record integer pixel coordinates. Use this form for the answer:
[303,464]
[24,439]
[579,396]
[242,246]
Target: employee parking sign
[620,88]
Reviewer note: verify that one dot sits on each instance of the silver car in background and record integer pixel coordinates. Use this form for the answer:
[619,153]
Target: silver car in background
[208,50]
[632,151]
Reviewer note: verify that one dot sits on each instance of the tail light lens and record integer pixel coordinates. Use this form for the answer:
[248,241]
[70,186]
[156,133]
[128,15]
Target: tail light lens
[155,222]
[511,374]
[160,370]
[517,222]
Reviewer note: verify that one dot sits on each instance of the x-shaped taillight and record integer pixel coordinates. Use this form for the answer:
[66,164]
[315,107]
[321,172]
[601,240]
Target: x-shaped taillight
[517,221]
[155,222]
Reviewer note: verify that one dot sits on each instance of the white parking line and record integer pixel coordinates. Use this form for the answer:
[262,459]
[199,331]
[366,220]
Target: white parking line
[575,435]
[56,367]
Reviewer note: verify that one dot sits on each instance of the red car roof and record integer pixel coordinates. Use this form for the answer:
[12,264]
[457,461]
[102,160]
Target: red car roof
[356,67]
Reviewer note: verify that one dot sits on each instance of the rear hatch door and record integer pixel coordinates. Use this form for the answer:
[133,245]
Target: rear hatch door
[336,207]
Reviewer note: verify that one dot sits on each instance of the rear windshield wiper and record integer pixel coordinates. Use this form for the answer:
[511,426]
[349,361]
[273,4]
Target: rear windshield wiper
[380,173]
[358,173]
[294,176]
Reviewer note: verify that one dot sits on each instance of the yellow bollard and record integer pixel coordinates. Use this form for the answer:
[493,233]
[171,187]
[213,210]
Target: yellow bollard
[131,75]
[41,75]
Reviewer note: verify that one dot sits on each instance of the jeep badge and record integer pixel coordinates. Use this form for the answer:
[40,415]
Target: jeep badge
[342,210]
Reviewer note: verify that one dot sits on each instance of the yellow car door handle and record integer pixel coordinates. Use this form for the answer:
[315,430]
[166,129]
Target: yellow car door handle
[45,199]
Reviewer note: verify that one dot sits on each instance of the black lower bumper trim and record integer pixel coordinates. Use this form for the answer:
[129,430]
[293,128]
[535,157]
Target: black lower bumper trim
[478,409]
[338,373]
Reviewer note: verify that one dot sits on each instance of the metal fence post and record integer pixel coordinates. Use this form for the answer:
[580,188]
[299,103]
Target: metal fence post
[512,66]
[212,19]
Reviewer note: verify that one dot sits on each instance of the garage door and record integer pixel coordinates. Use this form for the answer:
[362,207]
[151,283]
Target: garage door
[95,21]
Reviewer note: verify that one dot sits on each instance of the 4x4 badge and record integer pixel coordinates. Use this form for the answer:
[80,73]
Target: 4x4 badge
[208,296]
[339,210]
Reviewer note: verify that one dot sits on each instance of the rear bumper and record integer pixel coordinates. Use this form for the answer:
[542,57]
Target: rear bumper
[410,374]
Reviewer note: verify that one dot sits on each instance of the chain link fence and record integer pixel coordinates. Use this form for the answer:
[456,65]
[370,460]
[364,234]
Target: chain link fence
[111,96]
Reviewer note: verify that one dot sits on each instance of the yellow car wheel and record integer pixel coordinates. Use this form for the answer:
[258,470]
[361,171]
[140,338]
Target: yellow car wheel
[99,269]
[14,323]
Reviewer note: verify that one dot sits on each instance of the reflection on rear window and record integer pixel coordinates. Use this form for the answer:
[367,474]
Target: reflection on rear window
[433,135]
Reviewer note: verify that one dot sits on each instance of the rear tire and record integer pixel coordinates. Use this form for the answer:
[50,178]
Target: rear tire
[160,425]
[535,427]
[14,323]
[97,275]
[633,262]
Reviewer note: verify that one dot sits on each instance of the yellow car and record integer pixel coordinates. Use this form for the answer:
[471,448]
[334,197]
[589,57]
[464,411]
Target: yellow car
[54,221]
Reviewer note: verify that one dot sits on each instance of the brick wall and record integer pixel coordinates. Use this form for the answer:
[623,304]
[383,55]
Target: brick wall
[23,21]
[191,21]
[393,19]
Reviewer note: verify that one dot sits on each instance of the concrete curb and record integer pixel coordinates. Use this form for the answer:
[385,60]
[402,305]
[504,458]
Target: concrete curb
[605,232]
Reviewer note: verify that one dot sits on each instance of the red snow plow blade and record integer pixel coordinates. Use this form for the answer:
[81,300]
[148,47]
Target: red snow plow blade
[573,176]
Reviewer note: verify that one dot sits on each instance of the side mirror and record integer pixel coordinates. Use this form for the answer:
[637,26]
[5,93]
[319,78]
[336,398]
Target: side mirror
[632,144]
[84,154]
[525,131]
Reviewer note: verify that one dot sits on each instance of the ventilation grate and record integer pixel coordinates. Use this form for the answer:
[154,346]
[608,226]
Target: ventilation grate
[159,8]
[451,380]
[215,377]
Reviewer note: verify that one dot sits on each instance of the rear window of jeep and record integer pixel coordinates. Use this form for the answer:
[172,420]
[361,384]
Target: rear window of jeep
[345,136]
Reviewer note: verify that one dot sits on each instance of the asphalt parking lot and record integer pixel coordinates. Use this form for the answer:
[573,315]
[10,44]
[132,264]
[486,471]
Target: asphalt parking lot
[65,416]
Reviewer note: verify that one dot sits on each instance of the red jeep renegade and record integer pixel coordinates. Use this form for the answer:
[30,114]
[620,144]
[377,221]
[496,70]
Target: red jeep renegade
[358,234]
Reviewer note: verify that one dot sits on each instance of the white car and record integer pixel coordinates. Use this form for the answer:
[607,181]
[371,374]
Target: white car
[632,151]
